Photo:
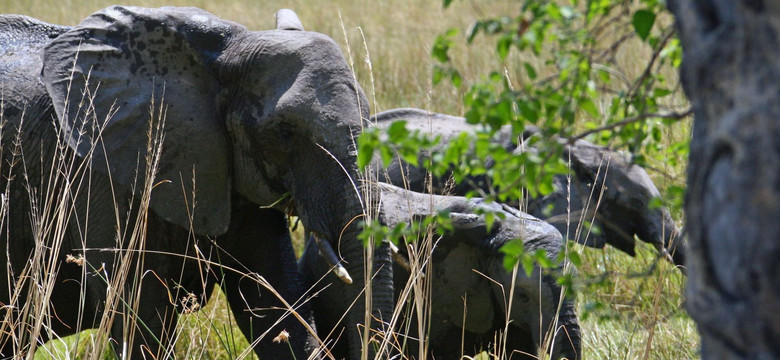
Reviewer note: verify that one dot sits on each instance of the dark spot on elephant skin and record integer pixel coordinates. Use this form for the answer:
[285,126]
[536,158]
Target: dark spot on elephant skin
[125,49]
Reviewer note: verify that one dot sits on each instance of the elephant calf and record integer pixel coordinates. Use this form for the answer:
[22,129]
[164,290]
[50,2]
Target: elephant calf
[606,189]
[466,277]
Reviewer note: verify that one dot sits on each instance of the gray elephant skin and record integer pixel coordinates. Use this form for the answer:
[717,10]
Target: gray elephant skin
[248,116]
[466,263]
[606,190]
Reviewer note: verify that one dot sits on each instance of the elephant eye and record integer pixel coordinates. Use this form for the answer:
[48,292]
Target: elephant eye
[521,296]
[286,130]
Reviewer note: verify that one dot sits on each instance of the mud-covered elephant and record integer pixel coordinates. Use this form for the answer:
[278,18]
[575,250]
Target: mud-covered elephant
[606,190]
[217,129]
[466,276]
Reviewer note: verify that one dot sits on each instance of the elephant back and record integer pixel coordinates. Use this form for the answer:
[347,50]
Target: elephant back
[22,40]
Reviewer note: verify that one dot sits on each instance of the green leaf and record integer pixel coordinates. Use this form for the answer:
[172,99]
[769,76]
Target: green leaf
[439,51]
[661,92]
[438,73]
[643,22]
[503,45]
[442,44]
[528,265]
[530,71]
[387,155]
[590,108]
[447,3]
[397,131]
[410,157]
[513,248]
[490,219]
[529,110]
[541,258]
[366,145]
[575,259]
[455,78]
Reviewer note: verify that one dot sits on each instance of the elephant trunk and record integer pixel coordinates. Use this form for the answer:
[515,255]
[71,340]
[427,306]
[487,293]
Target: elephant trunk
[335,215]
[569,338]
[380,288]
[661,230]
[559,333]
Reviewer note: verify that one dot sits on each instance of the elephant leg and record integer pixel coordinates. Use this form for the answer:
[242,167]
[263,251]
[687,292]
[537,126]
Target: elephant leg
[63,307]
[126,287]
[34,288]
[258,241]
[150,326]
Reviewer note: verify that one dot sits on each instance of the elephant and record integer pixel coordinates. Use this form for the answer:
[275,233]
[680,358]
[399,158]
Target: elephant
[606,190]
[465,263]
[167,145]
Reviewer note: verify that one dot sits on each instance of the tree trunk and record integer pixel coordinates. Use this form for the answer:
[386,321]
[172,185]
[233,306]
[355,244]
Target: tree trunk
[731,73]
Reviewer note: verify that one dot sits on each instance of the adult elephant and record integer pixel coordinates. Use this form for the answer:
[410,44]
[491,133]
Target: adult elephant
[605,190]
[473,298]
[245,117]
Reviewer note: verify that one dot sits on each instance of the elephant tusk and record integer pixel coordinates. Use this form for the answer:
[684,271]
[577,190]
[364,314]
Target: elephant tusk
[342,273]
[664,253]
[400,258]
[326,251]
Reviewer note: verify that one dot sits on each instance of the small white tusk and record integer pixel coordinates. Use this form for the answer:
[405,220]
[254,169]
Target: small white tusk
[326,251]
[399,258]
[342,273]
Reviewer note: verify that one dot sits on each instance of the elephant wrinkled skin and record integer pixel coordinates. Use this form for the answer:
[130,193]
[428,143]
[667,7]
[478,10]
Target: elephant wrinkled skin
[466,263]
[247,116]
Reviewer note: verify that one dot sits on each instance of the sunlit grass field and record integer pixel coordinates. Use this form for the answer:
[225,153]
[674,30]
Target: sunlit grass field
[630,308]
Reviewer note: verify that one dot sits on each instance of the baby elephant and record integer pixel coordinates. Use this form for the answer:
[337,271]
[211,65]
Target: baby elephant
[472,298]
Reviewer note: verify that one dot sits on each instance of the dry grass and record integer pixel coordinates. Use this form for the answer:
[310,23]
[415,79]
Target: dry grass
[398,35]
[639,317]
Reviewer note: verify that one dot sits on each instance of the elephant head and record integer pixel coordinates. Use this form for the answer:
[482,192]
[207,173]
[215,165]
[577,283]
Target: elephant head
[616,195]
[466,263]
[258,114]
[623,209]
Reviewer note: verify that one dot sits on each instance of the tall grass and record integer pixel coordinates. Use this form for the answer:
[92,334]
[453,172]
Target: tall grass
[631,308]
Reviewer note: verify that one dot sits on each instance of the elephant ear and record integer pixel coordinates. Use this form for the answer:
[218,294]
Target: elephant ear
[103,77]
[286,19]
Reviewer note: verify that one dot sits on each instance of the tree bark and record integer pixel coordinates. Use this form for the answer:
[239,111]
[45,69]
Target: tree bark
[731,74]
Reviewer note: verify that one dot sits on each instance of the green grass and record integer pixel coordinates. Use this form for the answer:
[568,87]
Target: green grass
[624,307]
[624,316]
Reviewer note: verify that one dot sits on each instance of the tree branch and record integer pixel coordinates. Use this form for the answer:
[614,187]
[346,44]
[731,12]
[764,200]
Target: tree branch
[631,120]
